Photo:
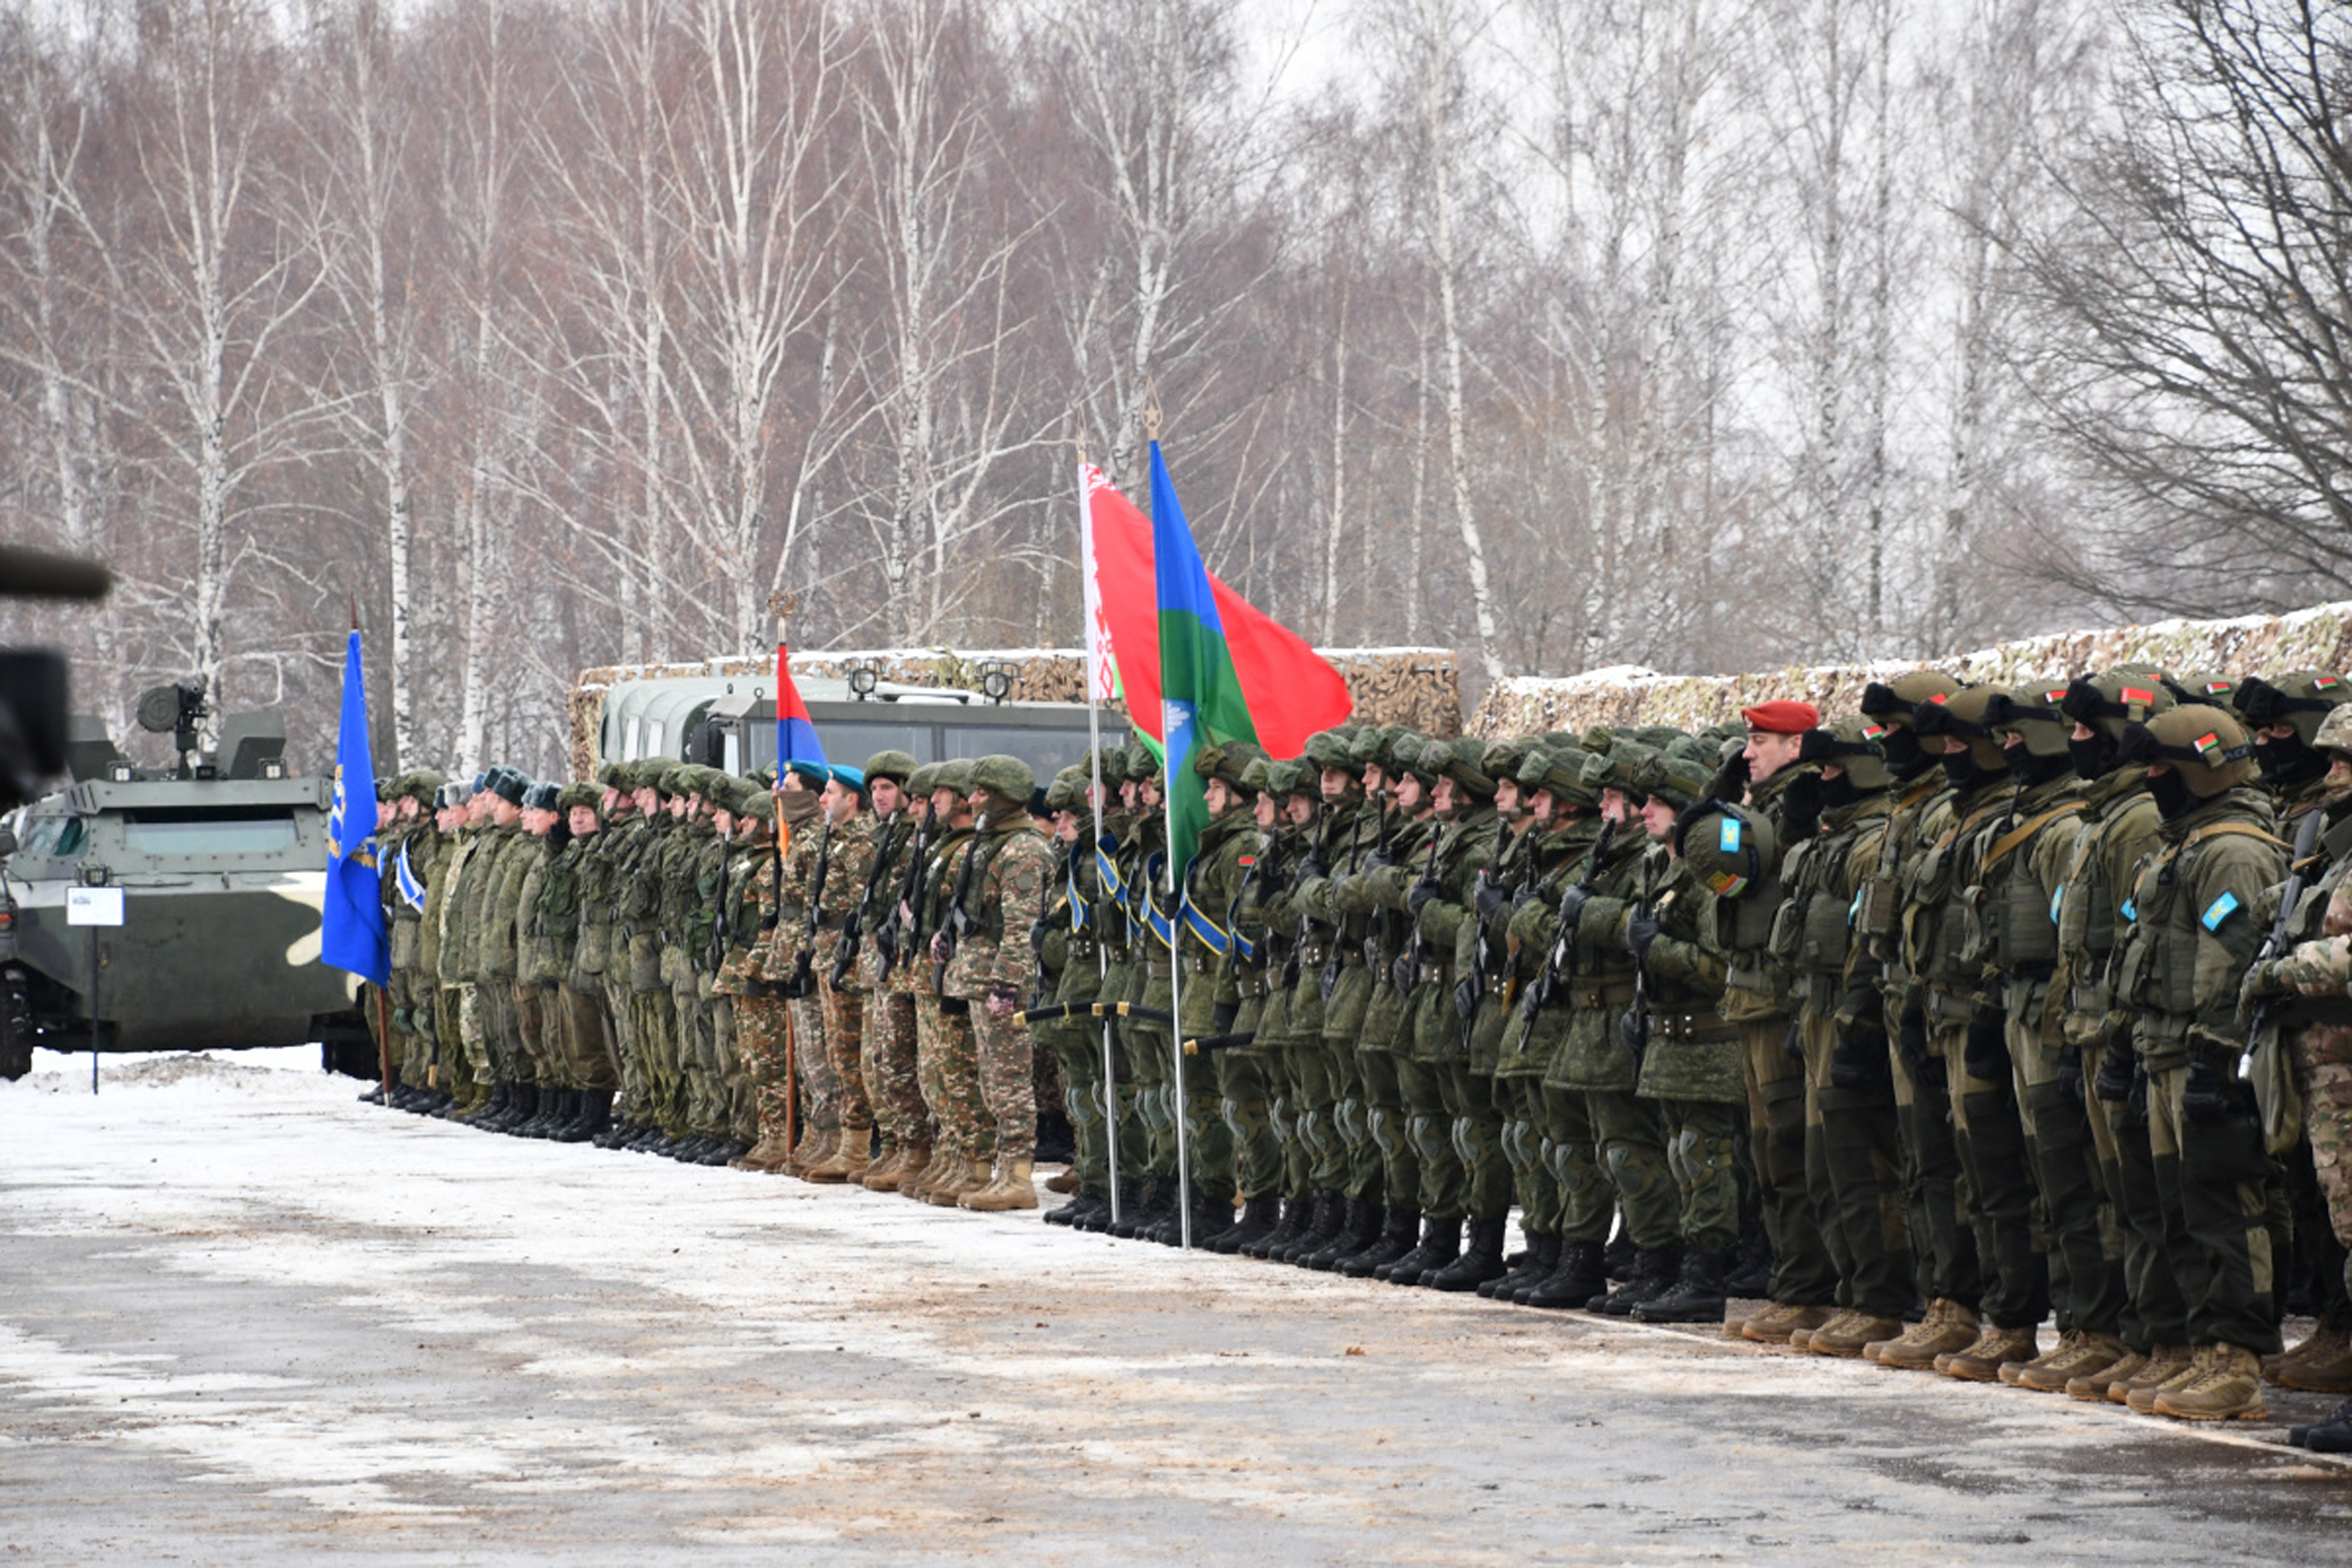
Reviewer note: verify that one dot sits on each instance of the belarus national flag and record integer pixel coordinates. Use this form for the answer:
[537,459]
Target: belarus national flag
[795,732]
[1201,692]
[1292,692]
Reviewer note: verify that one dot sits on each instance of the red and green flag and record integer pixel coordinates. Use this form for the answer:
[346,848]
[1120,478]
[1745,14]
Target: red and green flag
[1201,700]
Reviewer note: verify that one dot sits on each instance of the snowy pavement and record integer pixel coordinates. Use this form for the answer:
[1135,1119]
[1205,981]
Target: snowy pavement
[244,1319]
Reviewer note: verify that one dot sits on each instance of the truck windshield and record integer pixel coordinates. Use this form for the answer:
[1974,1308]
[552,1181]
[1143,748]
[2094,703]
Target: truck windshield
[214,830]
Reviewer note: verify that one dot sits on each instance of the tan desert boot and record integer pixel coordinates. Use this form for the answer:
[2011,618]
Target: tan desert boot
[2231,1389]
[1012,1187]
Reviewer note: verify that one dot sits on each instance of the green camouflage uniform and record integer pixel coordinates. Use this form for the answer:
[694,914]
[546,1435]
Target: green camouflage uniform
[1004,896]
[1691,1057]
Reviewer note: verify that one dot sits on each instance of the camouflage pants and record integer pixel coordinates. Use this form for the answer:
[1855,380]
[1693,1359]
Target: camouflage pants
[893,1090]
[628,1061]
[539,1064]
[1343,1018]
[473,1038]
[820,1093]
[1802,1273]
[2321,1054]
[1443,1191]
[2211,1175]
[456,1068]
[1990,1135]
[760,1024]
[1523,1149]
[1003,1057]
[501,1032]
[1079,1046]
[1476,1127]
[1572,1152]
[1385,1124]
[1316,1095]
[1246,1100]
[1854,1176]
[949,1071]
[1632,1139]
[1702,1140]
[2086,1243]
[655,1021]
[696,1057]
[588,1031]
[844,1042]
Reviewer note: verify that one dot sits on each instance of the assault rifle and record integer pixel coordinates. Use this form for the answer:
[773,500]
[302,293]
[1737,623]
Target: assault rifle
[803,980]
[853,931]
[901,943]
[1560,964]
[2265,1064]
[1489,899]
[1407,974]
[1633,1029]
[951,934]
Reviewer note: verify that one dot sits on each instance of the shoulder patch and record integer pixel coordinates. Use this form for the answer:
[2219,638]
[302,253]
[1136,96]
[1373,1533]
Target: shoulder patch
[2130,910]
[1728,839]
[2220,910]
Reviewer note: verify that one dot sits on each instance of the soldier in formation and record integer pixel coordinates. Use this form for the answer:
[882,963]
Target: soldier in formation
[1977,1012]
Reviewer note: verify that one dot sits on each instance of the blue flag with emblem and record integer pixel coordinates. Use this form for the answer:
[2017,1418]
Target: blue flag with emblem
[351,934]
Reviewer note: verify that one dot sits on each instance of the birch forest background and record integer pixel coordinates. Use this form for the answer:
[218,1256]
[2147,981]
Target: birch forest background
[1692,333]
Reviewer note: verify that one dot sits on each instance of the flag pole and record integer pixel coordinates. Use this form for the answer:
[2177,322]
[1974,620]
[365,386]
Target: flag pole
[1094,815]
[1177,877]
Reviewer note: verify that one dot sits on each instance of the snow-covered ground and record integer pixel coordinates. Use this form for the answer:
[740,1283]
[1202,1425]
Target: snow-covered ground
[246,1319]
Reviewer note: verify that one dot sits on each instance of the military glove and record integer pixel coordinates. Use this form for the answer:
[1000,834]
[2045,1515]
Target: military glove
[1378,860]
[1490,898]
[1858,1063]
[1572,902]
[1220,1016]
[1641,931]
[2070,1075]
[1522,899]
[2260,984]
[1423,892]
[2113,1083]
[1911,1041]
[2202,1100]
[1987,1055]
[1800,807]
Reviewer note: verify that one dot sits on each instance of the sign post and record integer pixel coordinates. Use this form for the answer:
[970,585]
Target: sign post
[95,908]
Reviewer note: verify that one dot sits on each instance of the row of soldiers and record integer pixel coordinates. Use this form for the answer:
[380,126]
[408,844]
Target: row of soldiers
[805,974]
[1998,1007]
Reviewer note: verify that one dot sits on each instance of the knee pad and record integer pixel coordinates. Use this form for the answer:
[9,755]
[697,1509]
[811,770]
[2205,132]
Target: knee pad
[1464,1135]
[1347,1121]
[1431,1138]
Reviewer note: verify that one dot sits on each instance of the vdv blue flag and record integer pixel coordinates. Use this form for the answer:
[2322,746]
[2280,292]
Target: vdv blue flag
[351,935]
[1201,699]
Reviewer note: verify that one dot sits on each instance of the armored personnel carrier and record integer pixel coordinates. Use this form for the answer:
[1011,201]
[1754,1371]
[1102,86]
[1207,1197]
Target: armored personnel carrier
[219,859]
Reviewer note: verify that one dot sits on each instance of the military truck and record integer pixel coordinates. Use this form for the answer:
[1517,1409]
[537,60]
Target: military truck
[220,857]
[729,723]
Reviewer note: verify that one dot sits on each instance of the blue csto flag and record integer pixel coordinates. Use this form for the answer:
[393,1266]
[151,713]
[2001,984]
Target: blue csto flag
[351,935]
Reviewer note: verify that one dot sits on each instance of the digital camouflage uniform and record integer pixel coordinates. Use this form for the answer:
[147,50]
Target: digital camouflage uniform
[946,1060]
[892,1093]
[848,850]
[760,1017]
[1002,896]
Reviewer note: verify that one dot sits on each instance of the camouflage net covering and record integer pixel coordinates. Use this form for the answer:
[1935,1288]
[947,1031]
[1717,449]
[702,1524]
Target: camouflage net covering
[1415,686]
[2315,638]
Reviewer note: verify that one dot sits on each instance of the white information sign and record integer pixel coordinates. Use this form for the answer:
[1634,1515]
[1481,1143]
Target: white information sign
[93,906]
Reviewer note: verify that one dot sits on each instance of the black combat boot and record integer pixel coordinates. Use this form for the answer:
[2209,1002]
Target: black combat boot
[1540,1258]
[1082,1203]
[1751,1266]
[1211,1215]
[1621,1256]
[1258,1218]
[522,1106]
[1580,1276]
[1440,1244]
[1322,1224]
[1286,1229]
[721,1150]
[375,1095]
[1655,1274]
[595,1115]
[555,1111]
[1096,1221]
[1697,1296]
[1480,1261]
[1398,1234]
[1359,1223]
[1139,1214]
[502,1101]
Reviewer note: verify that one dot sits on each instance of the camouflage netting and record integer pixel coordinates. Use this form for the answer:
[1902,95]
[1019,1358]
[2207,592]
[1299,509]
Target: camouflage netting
[2315,638]
[1415,686]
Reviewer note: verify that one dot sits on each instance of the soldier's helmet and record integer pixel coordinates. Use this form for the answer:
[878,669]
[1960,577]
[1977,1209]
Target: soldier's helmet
[923,780]
[1964,713]
[2109,701]
[1730,850]
[895,766]
[1560,770]
[1894,701]
[1506,756]
[1463,759]
[1854,744]
[1679,781]
[758,805]
[1331,748]
[574,794]
[2216,689]
[1619,767]
[955,775]
[2336,731]
[1229,760]
[2034,712]
[2303,697]
[1069,790]
[1007,777]
[2206,745]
